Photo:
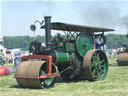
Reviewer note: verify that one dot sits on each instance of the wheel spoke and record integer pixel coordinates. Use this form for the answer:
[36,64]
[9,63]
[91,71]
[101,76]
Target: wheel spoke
[92,64]
[94,59]
[102,61]
[94,72]
[102,66]
[92,69]
[98,73]
[98,57]
[102,71]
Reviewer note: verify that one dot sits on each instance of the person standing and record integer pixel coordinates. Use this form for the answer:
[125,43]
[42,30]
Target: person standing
[97,42]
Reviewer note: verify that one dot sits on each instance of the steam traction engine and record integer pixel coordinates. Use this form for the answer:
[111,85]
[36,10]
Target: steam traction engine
[73,56]
[122,59]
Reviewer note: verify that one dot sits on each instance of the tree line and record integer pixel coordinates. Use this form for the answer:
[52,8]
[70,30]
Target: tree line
[115,41]
[23,42]
[10,42]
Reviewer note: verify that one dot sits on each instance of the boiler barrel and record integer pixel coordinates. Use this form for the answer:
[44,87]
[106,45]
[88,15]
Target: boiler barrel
[62,57]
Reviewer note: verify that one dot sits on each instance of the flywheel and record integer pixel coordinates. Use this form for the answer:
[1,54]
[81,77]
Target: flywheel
[83,43]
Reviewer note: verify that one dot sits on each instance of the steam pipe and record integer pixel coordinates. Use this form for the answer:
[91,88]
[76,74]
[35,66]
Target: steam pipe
[48,31]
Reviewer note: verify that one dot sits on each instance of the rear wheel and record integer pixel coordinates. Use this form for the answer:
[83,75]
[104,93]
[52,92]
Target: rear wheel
[95,65]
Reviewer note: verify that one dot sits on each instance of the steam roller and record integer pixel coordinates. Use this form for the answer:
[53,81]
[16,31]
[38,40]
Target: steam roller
[71,56]
[122,59]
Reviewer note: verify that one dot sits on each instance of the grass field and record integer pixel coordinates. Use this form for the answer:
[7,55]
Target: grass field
[115,84]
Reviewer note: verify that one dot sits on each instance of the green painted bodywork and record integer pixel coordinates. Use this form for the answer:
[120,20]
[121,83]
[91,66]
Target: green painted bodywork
[83,44]
[63,57]
[70,47]
[58,41]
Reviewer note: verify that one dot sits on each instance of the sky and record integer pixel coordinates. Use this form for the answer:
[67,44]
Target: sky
[16,16]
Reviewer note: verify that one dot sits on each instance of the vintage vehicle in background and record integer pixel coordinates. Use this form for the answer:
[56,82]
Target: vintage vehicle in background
[122,59]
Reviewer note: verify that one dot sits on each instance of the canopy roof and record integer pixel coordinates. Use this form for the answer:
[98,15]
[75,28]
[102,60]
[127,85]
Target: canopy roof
[77,28]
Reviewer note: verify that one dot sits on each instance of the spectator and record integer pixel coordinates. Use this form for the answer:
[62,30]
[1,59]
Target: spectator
[97,42]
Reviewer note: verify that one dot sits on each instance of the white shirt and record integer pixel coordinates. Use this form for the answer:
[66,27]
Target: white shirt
[97,40]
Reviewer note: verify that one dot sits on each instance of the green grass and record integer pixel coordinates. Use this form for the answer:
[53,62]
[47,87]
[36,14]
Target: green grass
[115,84]
[113,62]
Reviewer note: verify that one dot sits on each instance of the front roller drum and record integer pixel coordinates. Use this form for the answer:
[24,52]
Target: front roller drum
[34,69]
[122,59]
[95,65]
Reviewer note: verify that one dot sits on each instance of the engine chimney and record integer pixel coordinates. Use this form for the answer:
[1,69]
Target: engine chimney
[48,31]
